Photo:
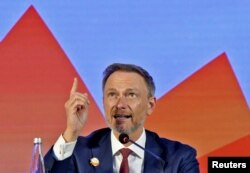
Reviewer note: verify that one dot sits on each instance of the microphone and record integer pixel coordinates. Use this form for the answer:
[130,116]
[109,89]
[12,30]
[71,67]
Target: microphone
[124,138]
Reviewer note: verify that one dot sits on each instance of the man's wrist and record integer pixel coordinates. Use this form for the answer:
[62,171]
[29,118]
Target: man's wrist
[70,136]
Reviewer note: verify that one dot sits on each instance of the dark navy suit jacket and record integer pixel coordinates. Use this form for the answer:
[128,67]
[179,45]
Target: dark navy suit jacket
[177,157]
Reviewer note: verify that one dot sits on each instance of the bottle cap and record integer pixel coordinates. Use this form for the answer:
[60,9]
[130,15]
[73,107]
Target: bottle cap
[37,140]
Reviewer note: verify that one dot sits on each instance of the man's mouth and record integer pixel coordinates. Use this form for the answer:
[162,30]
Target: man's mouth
[118,116]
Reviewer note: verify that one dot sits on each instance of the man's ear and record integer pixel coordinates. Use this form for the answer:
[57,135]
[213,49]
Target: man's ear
[151,105]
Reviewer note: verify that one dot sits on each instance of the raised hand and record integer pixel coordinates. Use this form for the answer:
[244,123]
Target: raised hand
[76,108]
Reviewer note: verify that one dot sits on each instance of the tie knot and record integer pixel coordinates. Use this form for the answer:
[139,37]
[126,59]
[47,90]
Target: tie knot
[125,152]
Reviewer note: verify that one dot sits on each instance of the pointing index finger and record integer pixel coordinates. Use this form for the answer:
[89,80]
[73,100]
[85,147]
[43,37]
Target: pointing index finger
[74,86]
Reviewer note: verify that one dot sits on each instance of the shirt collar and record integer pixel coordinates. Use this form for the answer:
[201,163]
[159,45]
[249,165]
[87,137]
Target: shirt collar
[116,145]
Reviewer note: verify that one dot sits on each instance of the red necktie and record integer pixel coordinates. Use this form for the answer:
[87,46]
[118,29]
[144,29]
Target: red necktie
[124,165]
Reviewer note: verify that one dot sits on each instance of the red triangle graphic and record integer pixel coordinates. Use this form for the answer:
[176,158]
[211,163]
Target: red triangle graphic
[238,148]
[207,110]
[36,77]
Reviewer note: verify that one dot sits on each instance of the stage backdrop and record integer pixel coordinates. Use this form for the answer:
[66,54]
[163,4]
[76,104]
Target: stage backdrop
[197,52]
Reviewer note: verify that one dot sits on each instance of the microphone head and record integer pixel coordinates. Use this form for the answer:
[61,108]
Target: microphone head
[124,138]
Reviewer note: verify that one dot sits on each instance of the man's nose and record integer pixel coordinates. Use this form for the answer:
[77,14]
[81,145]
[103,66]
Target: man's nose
[121,102]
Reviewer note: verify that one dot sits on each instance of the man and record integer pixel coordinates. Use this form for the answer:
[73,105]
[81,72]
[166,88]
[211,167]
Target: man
[128,98]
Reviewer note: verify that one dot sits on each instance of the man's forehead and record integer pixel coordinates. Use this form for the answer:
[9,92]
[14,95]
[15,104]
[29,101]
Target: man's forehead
[125,78]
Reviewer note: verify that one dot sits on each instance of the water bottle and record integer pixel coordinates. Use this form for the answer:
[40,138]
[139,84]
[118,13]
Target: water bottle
[37,163]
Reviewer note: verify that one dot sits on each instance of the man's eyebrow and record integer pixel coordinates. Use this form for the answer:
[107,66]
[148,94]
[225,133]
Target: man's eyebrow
[111,89]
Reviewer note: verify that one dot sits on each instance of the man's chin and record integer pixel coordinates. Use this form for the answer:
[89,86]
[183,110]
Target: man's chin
[121,129]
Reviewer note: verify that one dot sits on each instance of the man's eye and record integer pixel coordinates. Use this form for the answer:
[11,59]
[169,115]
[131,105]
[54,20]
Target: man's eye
[111,94]
[132,95]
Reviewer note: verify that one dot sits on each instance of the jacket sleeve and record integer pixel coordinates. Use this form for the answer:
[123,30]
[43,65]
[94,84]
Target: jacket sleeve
[189,162]
[54,166]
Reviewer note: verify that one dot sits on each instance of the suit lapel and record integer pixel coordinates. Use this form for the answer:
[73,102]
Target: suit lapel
[103,152]
[151,163]
[101,149]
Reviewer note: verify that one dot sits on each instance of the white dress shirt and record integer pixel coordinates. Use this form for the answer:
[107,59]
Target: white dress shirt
[63,150]
[135,159]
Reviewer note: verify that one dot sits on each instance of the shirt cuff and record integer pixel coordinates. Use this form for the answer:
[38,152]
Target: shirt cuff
[63,150]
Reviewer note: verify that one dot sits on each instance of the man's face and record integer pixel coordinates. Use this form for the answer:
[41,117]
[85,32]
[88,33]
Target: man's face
[126,102]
